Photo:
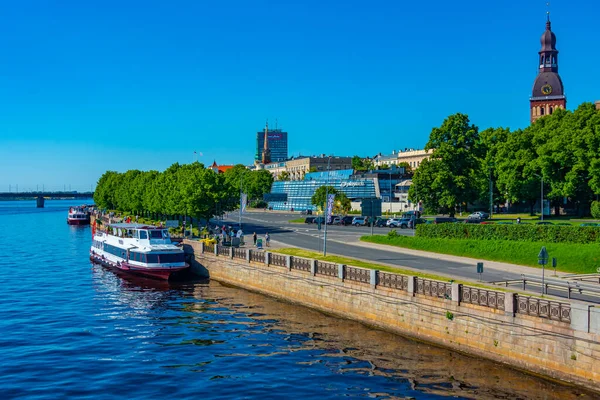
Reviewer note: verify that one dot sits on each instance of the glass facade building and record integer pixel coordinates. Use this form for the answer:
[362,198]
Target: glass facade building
[299,193]
[278,144]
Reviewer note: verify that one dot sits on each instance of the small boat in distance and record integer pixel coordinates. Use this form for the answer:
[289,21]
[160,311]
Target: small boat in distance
[78,216]
[138,249]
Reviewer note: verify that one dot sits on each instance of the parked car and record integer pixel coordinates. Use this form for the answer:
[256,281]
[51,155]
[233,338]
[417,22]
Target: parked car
[319,220]
[380,222]
[405,223]
[306,212]
[393,222]
[347,220]
[473,220]
[480,214]
[589,224]
[418,221]
[332,220]
[544,223]
[359,221]
[444,220]
[309,220]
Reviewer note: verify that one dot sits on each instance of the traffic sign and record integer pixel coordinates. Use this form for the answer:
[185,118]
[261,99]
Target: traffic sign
[480,268]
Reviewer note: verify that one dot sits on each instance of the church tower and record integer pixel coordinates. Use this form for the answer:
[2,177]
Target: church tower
[548,92]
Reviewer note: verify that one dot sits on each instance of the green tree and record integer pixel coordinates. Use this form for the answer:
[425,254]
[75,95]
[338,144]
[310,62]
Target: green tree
[452,175]
[284,176]
[516,170]
[106,188]
[341,203]
[406,166]
[319,198]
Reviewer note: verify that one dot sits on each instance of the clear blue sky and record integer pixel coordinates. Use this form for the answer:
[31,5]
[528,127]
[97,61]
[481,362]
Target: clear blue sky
[91,86]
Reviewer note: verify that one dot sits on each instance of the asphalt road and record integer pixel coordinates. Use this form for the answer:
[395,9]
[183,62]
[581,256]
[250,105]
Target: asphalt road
[342,240]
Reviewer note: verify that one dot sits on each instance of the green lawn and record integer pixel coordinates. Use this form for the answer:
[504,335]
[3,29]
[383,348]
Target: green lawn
[573,258]
[297,221]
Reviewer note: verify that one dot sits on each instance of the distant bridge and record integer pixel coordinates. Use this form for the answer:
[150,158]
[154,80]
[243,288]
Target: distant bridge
[41,196]
[35,195]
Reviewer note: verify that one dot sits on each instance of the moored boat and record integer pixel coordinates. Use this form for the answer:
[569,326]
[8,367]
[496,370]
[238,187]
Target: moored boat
[138,249]
[78,216]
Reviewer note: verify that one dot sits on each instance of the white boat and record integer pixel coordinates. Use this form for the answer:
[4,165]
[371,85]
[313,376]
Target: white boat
[78,216]
[138,249]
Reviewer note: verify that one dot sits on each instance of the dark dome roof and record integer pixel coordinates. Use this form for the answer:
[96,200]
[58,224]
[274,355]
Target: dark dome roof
[548,78]
[548,39]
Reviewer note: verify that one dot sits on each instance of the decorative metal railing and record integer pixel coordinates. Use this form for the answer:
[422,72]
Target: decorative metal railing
[393,281]
[325,268]
[439,289]
[301,264]
[257,256]
[527,305]
[239,253]
[543,308]
[483,297]
[223,251]
[358,274]
[278,260]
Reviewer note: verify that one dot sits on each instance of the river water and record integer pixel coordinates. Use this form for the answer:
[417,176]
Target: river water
[71,329]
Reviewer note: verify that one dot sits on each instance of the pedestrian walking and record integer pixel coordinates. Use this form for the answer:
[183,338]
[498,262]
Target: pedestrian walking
[267,239]
[254,238]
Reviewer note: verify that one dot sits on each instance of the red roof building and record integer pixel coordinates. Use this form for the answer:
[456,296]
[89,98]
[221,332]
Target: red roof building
[220,169]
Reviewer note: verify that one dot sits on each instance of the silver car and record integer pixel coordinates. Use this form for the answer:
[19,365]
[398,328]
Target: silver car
[359,221]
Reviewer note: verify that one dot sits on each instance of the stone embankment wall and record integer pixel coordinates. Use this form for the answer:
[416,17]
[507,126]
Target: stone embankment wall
[557,339]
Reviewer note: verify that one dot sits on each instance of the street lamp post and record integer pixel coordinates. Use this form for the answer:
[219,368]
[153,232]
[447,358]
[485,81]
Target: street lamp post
[541,196]
[326,198]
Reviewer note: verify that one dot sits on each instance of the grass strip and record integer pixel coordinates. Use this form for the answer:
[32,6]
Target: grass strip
[573,258]
[297,221]
[369,265]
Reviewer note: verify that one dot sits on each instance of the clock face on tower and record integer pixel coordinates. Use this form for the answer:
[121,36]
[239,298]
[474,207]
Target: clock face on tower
[546,90]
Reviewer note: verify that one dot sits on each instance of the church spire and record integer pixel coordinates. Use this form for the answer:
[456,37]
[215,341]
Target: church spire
[266,153]
[548,91]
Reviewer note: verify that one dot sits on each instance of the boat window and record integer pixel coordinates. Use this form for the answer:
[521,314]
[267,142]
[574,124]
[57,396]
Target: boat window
[143,234]
[165,234]
[156,235]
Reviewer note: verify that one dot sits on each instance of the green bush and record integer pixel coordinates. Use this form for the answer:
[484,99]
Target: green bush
[517,232]
[259,204]
[595,209]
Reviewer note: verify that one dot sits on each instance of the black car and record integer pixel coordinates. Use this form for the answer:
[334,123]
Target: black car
[444,220]
[309,220]
[319,220]
[380,222]
[306,212]
[347,220]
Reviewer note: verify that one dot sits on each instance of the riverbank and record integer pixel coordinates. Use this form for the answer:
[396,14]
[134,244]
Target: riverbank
[558,339]
[572,258]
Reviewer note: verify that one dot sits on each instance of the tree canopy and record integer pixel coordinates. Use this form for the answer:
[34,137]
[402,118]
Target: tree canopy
[341,202]
[452,174]
[188,189]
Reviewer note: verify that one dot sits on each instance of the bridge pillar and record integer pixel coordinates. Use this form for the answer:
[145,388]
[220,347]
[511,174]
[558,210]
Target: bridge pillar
[39,202]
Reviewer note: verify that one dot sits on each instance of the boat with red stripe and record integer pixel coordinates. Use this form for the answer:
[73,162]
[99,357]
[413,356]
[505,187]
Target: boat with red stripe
[138,249]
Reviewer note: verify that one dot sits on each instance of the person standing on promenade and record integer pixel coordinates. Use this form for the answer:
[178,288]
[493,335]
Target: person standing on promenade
[267,238]
[254,238]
